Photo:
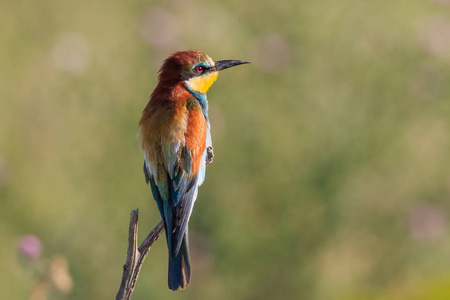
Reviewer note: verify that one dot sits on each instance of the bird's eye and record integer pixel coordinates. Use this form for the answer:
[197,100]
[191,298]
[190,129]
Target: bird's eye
[199,69]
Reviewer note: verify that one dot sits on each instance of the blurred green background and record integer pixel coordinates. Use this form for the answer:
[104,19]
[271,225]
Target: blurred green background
[331,178]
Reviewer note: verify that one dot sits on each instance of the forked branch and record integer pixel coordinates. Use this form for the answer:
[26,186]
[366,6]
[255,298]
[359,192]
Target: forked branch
[135,255]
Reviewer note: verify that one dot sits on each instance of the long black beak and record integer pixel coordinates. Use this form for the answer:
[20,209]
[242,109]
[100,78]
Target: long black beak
[225,64]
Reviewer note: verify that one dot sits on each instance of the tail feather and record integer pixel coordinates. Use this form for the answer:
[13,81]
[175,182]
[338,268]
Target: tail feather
[179,267]
[175,206]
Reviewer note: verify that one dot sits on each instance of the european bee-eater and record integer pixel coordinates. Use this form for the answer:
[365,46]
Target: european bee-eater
[176,142]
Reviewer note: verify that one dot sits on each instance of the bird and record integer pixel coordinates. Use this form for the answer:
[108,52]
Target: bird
[175,139]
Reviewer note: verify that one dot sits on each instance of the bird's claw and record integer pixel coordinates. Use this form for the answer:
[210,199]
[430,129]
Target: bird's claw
[209,155]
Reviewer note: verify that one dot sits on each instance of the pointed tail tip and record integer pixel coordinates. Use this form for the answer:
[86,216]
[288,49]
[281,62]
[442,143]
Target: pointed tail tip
[181,284]
[180,280]
[179,266]
[178,287]
[179,272]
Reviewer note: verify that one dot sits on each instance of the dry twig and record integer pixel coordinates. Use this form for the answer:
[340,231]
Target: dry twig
[136,256]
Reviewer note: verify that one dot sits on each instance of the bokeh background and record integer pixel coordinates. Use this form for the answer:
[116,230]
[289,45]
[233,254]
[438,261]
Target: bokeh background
[331,178]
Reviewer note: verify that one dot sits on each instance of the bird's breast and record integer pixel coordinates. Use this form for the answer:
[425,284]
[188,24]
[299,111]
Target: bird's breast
[195,137]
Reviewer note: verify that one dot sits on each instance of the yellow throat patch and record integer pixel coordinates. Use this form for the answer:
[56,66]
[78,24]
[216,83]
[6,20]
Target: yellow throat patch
[201,84]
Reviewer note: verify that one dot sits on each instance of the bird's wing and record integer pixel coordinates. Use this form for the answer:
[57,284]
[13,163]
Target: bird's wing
[175,185]
[182,191]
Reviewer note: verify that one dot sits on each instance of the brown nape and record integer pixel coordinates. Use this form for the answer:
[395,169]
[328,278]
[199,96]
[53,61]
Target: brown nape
[169,73]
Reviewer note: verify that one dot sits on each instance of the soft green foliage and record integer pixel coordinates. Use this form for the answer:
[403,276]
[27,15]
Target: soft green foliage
[331,177]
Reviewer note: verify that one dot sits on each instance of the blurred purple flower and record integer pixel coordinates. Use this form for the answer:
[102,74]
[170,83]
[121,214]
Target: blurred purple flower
[71,53]
[434,36]
[427,223]
[443,2]
[160,28]
[272,53]
[30,247]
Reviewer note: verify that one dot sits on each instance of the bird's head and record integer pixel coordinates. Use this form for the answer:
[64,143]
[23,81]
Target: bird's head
[195,69]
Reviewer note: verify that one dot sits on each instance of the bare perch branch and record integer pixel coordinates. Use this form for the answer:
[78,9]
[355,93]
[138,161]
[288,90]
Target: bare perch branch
[135,255]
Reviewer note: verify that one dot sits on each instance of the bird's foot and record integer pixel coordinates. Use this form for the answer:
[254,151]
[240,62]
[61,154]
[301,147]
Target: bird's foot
[209,155]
